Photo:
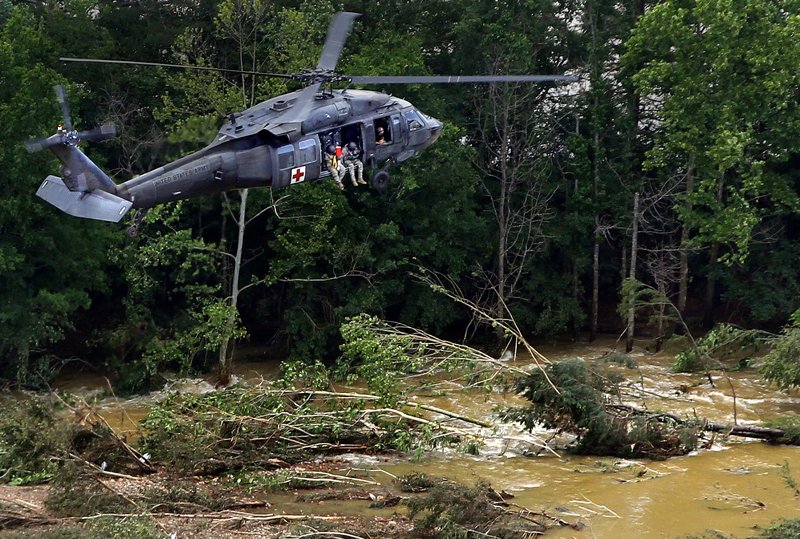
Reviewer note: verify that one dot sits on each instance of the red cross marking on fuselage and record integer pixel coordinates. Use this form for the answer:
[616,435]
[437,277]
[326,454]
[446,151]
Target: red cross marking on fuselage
[298,175]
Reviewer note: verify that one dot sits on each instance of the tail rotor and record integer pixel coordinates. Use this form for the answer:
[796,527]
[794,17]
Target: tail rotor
[66,135]
[83,190]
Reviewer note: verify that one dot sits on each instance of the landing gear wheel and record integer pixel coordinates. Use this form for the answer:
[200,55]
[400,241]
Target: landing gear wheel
[137,221]
[380,180]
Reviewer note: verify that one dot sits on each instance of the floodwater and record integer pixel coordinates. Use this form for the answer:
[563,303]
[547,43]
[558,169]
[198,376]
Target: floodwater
[732,488]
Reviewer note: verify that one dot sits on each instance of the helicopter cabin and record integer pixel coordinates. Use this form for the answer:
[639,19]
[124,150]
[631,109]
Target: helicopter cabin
[278,154]
[403,132]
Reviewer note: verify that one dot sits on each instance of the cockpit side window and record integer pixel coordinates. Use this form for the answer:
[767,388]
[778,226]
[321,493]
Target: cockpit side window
[414,120]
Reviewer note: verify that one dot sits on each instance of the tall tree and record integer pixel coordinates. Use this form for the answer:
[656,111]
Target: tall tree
[517,130]
[722,78]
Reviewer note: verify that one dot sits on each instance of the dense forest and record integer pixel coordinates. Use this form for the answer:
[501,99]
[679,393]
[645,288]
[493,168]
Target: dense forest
[667,178]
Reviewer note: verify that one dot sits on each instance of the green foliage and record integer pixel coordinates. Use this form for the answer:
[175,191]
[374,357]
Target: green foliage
[784,529]
[639,296]
[267,481]
[786,475]
[453,511]
[99,528]
[49,268]
[183,497]
[378,358]
[125,528]
[790,425]
[767,285]
[723,74]
[32,440]
[578,405]
[338,256]
[621,359]
[175,308]
[416,482]
[249,427]
[307,374]
[723,343]
[781,365]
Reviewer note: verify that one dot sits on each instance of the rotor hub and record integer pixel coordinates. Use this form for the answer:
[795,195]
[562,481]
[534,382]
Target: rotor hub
[320,76]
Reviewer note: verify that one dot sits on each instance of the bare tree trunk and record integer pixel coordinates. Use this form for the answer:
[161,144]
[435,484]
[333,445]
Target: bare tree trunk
[623,272]
[226,349]
[711,288]
[634,246]
[516,139]
[500,308]
[595,177]
[575,299]
[711,282]
[596,247]
[595,280]
[683,276]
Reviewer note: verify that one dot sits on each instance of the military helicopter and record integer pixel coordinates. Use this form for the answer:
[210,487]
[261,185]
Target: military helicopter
[276,143]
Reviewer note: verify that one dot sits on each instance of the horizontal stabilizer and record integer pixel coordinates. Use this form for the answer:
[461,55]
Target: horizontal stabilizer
[96,204]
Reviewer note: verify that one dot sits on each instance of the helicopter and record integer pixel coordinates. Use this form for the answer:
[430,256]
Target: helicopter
[276,143]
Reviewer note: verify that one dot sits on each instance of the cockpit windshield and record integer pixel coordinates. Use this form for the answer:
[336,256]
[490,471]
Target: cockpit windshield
[414,120]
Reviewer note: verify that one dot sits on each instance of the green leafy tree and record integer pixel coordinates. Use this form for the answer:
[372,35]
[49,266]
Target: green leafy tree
[50,265]
[722,75]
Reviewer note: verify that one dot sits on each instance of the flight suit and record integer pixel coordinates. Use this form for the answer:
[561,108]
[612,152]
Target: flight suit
[336,169]
[351,160]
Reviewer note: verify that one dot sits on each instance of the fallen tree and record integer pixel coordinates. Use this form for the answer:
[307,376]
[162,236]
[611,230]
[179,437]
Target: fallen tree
[591,407]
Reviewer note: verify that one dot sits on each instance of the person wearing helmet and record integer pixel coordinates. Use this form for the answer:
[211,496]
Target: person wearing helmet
[352,160]
[380,136]
[334,165]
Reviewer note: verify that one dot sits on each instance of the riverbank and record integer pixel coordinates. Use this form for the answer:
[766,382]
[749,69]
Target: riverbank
[735,488]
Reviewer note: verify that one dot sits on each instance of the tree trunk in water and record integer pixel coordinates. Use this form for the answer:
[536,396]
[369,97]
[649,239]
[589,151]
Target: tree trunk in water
[759,433]
[634,241]
[226,348]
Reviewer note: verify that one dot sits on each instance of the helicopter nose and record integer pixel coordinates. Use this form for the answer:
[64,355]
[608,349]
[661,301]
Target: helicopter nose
[435,129]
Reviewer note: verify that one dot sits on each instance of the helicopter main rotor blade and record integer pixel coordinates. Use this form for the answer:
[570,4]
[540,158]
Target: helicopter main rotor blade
[40,144]
[105,131]
[459,79]
[339,28]
[177,66]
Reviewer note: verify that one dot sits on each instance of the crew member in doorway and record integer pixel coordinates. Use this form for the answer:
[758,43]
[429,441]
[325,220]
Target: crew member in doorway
[352,160]
[334,165]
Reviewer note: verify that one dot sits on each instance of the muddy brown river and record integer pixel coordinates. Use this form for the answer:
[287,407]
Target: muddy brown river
[732,488]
